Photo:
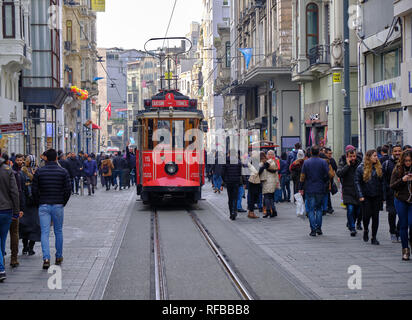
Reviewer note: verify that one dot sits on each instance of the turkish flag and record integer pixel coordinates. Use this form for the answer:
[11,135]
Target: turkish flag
[109,109]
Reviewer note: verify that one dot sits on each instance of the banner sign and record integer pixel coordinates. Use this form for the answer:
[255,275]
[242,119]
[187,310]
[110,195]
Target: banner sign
[12,127]
[99,5]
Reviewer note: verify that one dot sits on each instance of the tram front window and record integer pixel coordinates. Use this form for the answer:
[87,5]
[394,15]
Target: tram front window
[150,134]
[178,134]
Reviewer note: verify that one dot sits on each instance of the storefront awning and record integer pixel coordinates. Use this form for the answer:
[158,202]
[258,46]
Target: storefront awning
[40,97]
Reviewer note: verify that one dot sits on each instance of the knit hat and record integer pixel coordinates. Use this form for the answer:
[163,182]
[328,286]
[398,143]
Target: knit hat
[349,148]
[301,155]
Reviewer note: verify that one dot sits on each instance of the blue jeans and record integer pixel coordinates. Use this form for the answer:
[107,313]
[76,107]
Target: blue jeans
[277,196]
[352,212]
[285,185]
[5,221]
[239,197]
[314,203]
[115,174]
[404,211]
[217,181]
[48,213]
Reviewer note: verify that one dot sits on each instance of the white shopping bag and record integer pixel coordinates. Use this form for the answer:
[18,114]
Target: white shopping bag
[300,205]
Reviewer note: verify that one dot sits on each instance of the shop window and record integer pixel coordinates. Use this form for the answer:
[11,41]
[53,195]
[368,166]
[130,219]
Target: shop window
[312,26]
[8,14]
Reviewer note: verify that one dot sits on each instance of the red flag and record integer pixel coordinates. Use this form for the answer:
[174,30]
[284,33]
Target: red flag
[109,109]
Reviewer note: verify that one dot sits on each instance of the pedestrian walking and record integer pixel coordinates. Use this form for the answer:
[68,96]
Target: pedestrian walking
[254,186]
[90,172]
[51,191]
[295,170]
[75,169]
[14,227]
[9,206]
[117,171]
[346,172]
[285,177]
[293,155]
[131,162]
[369,188]
[313,178]
[217,172]
[232,177]
[269,177]
[401,183]
[29,225]
[106,168]
[387,168]
[333,189]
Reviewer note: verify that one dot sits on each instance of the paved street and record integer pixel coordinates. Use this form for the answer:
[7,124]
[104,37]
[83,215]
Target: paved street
[318,267]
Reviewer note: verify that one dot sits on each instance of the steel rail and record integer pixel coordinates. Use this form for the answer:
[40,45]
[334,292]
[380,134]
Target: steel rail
[160,278]
[237,282]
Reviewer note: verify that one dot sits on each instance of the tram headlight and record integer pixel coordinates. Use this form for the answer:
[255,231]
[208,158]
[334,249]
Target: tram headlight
[171,168]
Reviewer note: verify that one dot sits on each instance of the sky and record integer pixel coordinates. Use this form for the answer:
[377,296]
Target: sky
[130,23]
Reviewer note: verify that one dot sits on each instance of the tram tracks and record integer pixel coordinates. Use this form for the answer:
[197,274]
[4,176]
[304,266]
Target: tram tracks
[159,269]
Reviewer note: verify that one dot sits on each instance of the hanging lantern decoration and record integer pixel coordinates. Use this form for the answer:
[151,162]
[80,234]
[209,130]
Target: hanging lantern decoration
[79,93]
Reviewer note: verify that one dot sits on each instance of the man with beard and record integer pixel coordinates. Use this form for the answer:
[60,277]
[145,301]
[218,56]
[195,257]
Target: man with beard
[387,169]
[346,173]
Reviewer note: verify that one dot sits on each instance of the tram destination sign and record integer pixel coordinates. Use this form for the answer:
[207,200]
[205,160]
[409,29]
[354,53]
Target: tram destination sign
[11,127]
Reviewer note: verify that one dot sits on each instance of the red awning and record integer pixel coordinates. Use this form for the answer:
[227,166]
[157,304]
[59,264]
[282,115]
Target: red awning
[95,127]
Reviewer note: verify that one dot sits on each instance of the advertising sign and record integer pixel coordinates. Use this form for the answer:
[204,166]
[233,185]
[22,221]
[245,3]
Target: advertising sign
[99,5]
[12,127]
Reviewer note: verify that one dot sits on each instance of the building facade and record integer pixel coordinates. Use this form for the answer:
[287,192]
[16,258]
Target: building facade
[383,119]
[262,94]
[15,55]
[317,62]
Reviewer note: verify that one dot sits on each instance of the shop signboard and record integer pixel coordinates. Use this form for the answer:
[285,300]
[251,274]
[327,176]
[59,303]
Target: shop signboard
[11,128]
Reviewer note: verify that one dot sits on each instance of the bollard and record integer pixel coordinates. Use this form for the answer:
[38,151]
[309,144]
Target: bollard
[81,186]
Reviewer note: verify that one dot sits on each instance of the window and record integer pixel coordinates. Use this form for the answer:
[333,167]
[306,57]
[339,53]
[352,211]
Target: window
[228,54]
[377,68]
[391,64]
[8,14]
[312,26]
[130,97]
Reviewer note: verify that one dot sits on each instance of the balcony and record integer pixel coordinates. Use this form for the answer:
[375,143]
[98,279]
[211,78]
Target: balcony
[319,58]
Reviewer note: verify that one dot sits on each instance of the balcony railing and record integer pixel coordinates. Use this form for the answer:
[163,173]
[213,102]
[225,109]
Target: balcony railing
[319,55]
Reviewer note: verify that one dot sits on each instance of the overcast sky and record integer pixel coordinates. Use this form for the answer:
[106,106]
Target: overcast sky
[130,23]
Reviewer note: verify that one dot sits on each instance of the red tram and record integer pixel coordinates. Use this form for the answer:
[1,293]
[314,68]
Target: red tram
[167,166]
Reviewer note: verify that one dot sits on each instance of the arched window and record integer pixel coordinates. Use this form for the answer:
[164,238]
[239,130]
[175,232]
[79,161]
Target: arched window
[312,26]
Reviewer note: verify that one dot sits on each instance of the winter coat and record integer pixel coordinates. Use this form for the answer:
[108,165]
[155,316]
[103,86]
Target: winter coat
[284,168]
[51,185]
[372,188]
[29,224]
[402,189]
[118,163]
[269,177]
[20,184]
[295,169]
[315,175]
[9,193]
[292,156]
[90,168]
[387,169]
[347,178]
[110,166]
[232,173]
[254,174]
[74,166]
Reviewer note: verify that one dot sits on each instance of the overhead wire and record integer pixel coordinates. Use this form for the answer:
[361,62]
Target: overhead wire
[170,20]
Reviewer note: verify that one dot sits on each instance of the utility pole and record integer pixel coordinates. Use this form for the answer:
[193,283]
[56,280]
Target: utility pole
[346,109]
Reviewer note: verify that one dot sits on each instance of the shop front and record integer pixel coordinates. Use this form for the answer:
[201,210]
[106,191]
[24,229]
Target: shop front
[383,114]
[316,123]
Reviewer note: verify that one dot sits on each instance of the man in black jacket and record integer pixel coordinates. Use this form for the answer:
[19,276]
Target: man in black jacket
[75,168]
[117,172]
[51,191]
[232,176]
[346,173]
[387,169]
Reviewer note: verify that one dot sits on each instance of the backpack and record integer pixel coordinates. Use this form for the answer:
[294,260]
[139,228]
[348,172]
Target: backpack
[105,169]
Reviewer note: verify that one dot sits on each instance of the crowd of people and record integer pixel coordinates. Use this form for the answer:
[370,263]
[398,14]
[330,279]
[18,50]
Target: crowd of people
[367,182]
[33,195]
